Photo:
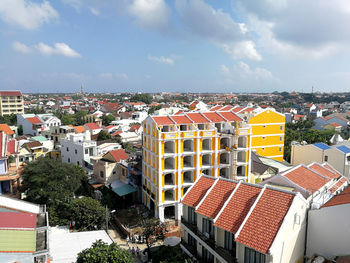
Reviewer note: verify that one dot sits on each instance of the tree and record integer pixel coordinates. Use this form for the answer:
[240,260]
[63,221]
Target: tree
[103,253]
[80,117]
[88,214]
[153,230]
[107,119]
[154,108]
[103,135]
[9,119]
[68,119]
[146,98]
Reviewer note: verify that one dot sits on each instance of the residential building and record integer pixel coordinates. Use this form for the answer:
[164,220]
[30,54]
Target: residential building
[56,133]
[93,128]
[179,148]
[78,149]
[23,231]
[11,102]
[37,124]
[231,221]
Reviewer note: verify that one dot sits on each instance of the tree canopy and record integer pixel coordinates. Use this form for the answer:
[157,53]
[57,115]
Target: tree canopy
[146,98]
[103,253]
[103,135]
[107,119]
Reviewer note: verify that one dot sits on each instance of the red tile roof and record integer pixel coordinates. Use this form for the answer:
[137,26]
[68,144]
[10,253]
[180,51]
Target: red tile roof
[230,116]
[10,93]
[215,108]
[338,184]
[238,207]
[181,119]
[34,120]
[260,229]
[17,220]
[79,129]
[214,117]
[162,120]
[216,198]
[5,128]
[226,108]
[134,127]
[318,168]
[92,126]
[326,165]
[119,155]
[340,199]
[237,109]
[11,146]
[197,117]
[197,192]
[306,178]
[116,133]
[110,127]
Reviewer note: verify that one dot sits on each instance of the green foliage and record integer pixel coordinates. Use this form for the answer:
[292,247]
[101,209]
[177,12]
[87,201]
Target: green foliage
[167,254]
[103,135]
[88,214]
[107,119]
[128,148]
[80,117]
[68,119]
[9,119]
[154,108]
[146,98]
[20,130]
[101,252]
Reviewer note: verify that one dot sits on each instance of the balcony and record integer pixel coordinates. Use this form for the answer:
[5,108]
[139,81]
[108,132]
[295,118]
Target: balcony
[188,177]
[188,146]
[188,161]
[224,158]
[224,143]
[169,179]
[169,163]
[206,145]
[169,147]
[206,160]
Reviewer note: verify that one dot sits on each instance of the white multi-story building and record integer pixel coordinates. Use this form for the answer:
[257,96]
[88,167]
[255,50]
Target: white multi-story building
[78,149]
[37,124]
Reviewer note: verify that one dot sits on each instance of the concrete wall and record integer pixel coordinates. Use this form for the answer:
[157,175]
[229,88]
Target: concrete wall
[305,154]
[337,159]
[328,231]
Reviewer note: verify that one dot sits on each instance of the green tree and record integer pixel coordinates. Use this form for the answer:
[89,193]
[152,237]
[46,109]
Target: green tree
[9,119]
[146,98]
[68,119]
[80,117]
[103,135]
[101,252]
[88,214]
[107,119]
[154,108]
[153,230]
[20,130]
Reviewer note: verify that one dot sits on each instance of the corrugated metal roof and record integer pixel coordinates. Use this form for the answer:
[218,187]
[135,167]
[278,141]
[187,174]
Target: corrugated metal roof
[18,241]
[321,146]
[343,149]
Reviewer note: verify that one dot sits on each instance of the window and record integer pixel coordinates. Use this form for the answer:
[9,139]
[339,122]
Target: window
[281,138]
[207,256]
[78,163]
[86,151]
[326,158]
[263,137]
[192,241]
[264,126]
[67,149]
[102,174]
[228,240]
[280,149]
[114,172]
[69,160]
[192,216]
[252,256]
[263,149]
[76,151]
[208,227]
[281,127]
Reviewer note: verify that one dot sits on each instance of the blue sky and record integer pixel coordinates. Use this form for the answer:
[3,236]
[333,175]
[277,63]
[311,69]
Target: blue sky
[178,46]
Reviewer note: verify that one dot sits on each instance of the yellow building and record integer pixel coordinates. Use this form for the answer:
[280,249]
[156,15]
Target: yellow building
[11,102]
[179,148]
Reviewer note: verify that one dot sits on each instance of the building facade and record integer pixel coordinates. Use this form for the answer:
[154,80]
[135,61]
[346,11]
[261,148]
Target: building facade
[11,102]
[179,148]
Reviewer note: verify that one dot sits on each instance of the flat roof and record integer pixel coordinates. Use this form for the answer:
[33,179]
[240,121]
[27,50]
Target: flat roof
[18,241]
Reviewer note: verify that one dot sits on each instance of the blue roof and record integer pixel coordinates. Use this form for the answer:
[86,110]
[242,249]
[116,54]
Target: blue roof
[344,149]
[321,146]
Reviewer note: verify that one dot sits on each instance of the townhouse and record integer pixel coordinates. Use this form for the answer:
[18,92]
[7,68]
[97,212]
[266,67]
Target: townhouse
[37,124]
[11,102]
[178,148]
[230,221]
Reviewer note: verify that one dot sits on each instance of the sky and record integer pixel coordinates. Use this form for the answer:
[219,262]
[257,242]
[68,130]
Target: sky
[175,46]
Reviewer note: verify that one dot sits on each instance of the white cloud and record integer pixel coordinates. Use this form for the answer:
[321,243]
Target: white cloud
[114,76]
[26,13]
[161,60]
[222,30]
[22,48]
[94,11]
[241,75]
[151,14]
[58,49]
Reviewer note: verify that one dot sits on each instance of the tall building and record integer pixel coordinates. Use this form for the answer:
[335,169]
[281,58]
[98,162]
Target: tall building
[11,102]
[179,148]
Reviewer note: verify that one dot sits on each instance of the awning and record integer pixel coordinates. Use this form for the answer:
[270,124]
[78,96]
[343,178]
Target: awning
[124,189]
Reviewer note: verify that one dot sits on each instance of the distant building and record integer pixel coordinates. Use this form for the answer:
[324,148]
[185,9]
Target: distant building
[11,102]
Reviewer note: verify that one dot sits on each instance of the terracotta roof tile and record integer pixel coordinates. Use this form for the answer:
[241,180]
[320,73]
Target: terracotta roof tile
[214,117]
[230,116]
[215,108]
[92,126]
[79,129]
[119,155]
[260,229]
[197,192]
[340,199]
[237,109]
[306,178]
[238,207]
[197,117]
[117,133]
[226,108]
[318,168]
[162,120]
[216,198]
[134,127]
[181,119]
[10,93]
[5,128]
[34,120]
[17,220]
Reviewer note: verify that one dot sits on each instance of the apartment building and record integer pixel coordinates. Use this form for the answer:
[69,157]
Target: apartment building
[230,221]
[268,127]
[179,148]
[11,102]
[37,124]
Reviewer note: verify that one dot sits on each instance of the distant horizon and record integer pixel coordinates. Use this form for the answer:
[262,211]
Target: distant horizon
[161,45]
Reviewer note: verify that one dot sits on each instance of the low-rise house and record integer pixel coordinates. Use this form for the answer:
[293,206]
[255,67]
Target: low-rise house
[230,221]
[35,149]
[36,124]
[23,231]
[58,132]
[7,130]
[93,128]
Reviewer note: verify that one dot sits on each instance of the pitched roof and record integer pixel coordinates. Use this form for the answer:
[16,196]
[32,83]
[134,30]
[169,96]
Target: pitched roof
[214,117]
[198,190]
[117,133]
[134,127]
[337,185]
[181,119]
[343,149]
[162,120]
[215,108]
[6,129]
[216,198]
[17,220]
[263,223]
[92,126]
[197,117]
[34,120]
[119,155]
[11,146]
[237,207]
[340,199]
[230,116]
[20,241]
[321,146]
[32,145]
[306,178]
[79,129]
[10,93]
[324,171]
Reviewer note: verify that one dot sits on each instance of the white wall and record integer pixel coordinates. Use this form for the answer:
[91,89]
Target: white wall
[337,159]
[328,231]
